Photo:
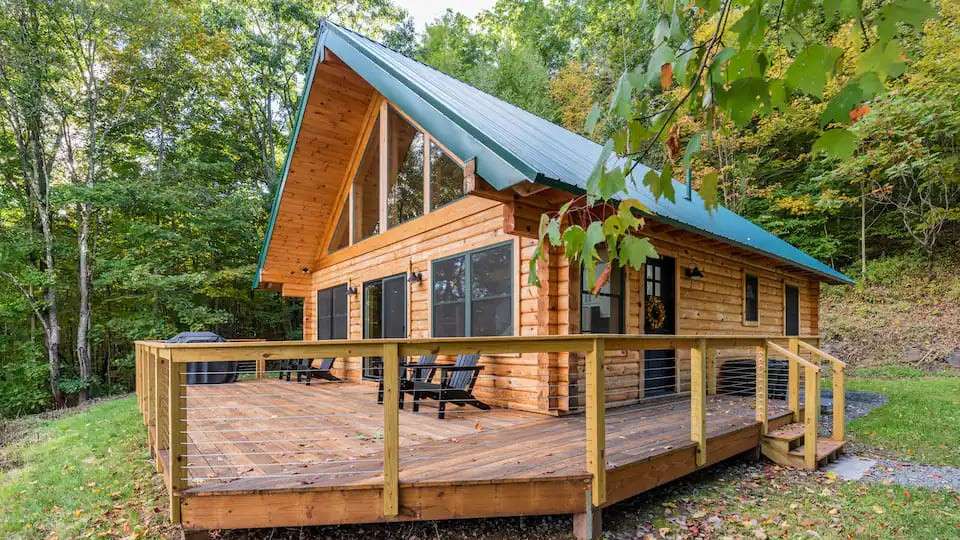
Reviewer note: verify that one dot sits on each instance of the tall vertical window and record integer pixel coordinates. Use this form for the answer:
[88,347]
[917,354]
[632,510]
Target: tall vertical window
[446,178]
[341,233]
[473,293]
[751,297]
[366,191]
[404,170]
[602,313]
[332,313]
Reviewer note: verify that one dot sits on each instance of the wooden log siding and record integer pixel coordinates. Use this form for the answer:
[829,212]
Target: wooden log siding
[554,382]
[509,380]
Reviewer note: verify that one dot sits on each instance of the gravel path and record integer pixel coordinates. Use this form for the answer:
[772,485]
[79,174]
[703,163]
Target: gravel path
[904,473]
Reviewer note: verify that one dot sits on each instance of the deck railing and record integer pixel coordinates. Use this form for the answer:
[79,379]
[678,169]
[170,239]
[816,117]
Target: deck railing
[161,384]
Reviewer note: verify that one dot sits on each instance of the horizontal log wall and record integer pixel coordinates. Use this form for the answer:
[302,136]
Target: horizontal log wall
[462,226]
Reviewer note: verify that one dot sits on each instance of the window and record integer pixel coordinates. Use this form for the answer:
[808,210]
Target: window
[404,170]
[332,313]
[602,313]
[751,296]
[473,293]
[446,178]
[791,310]
[366,191]
[341,233]
[410,175]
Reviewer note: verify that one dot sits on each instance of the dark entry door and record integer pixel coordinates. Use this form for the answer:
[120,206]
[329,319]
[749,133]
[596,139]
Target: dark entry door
[384,316]
[791,310]
[660,308]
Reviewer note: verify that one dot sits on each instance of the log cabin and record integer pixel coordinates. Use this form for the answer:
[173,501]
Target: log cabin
[406,219]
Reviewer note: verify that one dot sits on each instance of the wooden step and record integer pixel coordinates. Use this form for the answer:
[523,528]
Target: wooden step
[827,450]
[777,449]
[784,439]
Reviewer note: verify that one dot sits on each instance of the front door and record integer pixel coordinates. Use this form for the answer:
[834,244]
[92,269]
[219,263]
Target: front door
[384,316]
[660,308]
[791,310]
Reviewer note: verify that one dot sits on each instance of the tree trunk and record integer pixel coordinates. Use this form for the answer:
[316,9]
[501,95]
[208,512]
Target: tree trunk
[83,321]
[863,230]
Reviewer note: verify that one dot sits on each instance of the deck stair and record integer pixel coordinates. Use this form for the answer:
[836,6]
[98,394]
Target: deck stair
[785,447]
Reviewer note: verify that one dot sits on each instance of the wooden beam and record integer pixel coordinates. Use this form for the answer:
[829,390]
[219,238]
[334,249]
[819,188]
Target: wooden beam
[596,423]
[811,417]
[384,166]
[391,430]
[698,399]
[839,404]
[761,392]
[177,427]
[793,380]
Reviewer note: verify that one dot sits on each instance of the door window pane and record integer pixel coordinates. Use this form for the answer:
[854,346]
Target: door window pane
[602,313]
[446,178]
[405,170]
[449,298]
[750,298]
[366,190]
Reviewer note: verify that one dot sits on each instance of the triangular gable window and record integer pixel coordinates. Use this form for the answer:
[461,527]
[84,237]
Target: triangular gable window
[392,182]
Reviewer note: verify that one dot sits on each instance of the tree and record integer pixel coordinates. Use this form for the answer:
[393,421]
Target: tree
[727,72]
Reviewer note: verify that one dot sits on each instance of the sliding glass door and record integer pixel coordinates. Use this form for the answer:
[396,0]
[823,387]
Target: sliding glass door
[384,316]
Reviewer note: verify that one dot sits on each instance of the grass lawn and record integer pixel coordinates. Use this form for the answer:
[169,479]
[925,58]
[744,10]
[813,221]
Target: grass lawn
[85,474]
[921,420]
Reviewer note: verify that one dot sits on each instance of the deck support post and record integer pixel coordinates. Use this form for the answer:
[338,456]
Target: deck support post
[698,399]
[839,404]
[793,380]
[762,394]
[391,430]
[589,524]
[811,417]
[176,389]
[596,424]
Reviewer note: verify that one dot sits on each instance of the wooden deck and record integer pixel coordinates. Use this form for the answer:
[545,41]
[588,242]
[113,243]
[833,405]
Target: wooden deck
[272,452]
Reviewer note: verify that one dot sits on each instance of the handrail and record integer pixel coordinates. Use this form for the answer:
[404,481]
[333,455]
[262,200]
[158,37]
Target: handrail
[795,357]
[822,354]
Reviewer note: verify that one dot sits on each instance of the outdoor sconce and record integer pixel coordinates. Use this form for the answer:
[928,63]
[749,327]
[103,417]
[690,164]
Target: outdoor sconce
[351,290]
[414,277]
[693,273]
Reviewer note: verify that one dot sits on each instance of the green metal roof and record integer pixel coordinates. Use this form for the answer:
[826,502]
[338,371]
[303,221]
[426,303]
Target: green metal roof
[511,145]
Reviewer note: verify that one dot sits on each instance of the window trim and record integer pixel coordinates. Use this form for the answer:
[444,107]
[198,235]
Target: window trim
[743,299]
[316,310]
[468,296]
[622,303]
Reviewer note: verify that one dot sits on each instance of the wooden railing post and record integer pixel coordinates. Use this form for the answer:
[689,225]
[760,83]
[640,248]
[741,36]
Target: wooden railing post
[698,399]
[762,393]
[176,432]
[391,430]
[155,422]
[793,380]
[261,368]
[712,368]
[145,366]
[596,423]
[839,403]
[811,417]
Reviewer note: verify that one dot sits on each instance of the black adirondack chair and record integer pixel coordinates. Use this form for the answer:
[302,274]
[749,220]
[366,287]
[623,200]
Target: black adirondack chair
[455,386]
[421,371]
[304,369]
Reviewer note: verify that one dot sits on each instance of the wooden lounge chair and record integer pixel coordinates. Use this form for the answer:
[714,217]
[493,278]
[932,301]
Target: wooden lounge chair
[421,371]
[456,385]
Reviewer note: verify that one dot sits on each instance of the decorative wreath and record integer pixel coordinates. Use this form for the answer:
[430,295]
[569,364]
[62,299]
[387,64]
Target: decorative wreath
[656,312]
